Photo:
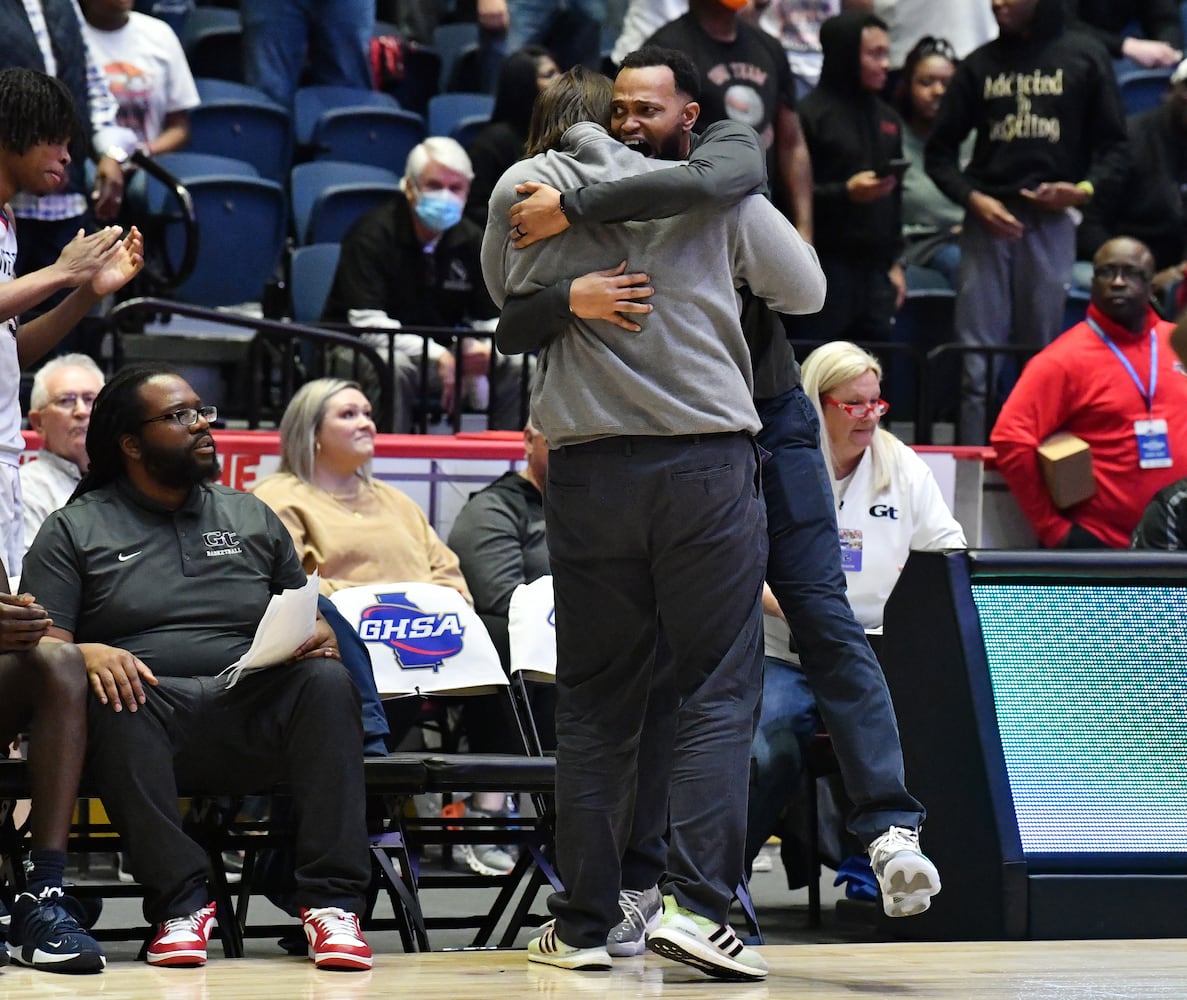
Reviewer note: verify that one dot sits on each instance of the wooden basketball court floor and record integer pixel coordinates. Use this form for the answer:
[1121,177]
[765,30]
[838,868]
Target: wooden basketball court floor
[1081,970]
[832,962]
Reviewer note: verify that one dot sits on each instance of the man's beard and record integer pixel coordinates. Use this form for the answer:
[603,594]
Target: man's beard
[178,469]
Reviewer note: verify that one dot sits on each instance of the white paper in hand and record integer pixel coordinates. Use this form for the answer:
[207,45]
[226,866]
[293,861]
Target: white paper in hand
[288,621]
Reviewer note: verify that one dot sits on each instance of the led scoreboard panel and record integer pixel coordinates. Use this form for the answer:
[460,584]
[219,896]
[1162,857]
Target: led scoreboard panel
[1042,700]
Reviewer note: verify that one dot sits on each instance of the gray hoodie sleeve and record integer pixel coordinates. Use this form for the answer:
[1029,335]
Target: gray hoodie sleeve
[773,259]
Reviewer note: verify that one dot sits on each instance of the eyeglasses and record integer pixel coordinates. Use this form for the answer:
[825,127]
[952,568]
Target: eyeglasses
[859,411]
[187,417]
[68,401]
[1126,272]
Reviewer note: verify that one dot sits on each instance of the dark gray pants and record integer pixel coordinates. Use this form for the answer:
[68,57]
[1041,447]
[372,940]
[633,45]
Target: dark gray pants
[299,724]
[1011,292]
[648,533]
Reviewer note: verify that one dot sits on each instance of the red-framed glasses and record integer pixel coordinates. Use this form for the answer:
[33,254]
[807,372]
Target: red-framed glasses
[859,411]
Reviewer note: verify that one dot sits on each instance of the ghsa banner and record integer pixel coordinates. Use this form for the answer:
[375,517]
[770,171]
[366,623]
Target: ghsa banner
[423,639]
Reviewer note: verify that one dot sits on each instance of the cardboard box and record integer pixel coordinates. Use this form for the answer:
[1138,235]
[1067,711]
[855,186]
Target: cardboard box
[1066,461]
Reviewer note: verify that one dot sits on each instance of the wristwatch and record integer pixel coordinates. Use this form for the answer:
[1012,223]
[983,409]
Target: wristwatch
[117,153]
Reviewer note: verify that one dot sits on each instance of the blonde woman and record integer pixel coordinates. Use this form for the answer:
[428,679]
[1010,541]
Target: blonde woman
[351,528]
[887,500]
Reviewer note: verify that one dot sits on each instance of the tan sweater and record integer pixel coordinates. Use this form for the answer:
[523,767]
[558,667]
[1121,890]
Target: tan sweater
[383,537]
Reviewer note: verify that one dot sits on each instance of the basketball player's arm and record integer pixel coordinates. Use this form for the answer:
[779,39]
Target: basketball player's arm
[727,164]
[78,262]
[23,621]
[118,264]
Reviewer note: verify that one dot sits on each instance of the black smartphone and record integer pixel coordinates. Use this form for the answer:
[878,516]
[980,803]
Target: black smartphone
[896,167]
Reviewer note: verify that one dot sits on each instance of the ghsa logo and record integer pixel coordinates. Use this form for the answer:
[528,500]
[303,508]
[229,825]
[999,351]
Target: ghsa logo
[418,638]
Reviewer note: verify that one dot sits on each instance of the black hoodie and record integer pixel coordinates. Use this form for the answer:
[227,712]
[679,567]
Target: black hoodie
[848,130]
[1045,107]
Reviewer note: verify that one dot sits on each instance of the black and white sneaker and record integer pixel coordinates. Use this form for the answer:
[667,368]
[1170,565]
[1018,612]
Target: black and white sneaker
[43,934]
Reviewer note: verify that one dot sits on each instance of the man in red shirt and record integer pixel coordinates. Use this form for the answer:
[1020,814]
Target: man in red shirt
[1115,383]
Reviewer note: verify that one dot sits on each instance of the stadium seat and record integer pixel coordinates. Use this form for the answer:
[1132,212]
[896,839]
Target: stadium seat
[311,276]
[212,39]
[238,121]
[328,195]
[447,110]
[310,103]
[1143,89]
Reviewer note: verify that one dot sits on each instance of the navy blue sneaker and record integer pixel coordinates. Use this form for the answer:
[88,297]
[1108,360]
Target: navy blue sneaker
[43,934]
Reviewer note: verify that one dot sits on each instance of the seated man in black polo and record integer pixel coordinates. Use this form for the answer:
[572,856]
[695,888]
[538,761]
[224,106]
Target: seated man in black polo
[162,578]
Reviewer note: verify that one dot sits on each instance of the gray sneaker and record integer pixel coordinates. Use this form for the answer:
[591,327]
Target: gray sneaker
[489,859]
[641,910]
[905,874]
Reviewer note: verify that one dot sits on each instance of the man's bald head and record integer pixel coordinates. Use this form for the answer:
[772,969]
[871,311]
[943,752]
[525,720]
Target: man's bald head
[1122,272]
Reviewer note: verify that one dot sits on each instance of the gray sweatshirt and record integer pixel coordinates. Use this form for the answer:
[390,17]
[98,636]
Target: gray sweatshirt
[688,370]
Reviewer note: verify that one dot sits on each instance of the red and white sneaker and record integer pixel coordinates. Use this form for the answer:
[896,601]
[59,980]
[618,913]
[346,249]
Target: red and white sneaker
[335,941]
[182,940]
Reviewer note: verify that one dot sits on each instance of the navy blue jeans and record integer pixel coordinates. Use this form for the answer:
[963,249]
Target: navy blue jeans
[804,571]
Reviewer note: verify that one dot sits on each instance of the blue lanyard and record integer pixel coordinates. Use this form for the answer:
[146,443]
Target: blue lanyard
[1148,397]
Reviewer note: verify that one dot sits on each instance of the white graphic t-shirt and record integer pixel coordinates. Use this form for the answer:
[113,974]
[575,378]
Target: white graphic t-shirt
[146,71]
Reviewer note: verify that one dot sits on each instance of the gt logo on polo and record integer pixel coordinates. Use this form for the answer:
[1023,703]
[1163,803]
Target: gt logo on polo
[419,639]
[884,510]
[221,543]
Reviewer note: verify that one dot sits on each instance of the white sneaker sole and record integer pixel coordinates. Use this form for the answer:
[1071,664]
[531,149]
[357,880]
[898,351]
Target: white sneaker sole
[74,962]
[583,960]
[678,946]
[190,957]
[908,882]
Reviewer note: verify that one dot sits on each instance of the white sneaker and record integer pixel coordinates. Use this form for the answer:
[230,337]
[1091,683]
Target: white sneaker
[548,949]
[641,912]
[905,874]
[686,936]
[488,859]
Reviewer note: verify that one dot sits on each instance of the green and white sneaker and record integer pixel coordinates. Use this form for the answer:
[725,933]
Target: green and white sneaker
[685,936]
[548,949]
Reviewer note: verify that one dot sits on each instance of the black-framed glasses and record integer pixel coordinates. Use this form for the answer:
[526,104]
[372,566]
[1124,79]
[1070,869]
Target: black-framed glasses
[187,417]
[1126,272]
[69,400]
[859,411]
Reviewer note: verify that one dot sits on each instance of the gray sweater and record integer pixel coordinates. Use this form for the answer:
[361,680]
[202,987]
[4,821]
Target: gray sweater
[688,370]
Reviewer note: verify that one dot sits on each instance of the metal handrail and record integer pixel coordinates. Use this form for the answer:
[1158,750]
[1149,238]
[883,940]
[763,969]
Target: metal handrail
[169,278]
[267,330]
[993,405]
